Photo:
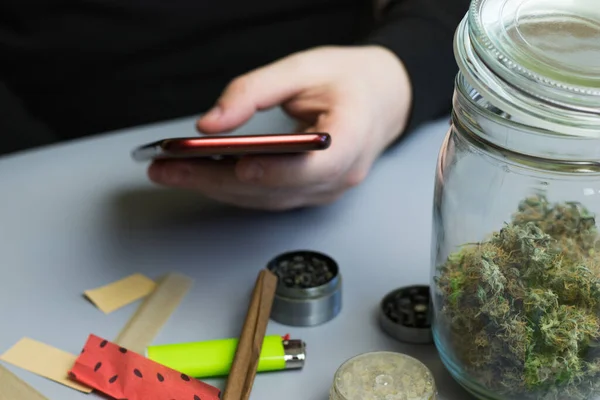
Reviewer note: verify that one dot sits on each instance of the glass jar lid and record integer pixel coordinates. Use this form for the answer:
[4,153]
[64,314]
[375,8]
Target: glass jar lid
[547,48]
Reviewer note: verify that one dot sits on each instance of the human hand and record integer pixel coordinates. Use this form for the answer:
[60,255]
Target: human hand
[361,96]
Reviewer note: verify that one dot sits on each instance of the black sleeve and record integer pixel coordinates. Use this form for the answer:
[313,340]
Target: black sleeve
[420,33]
[19,130]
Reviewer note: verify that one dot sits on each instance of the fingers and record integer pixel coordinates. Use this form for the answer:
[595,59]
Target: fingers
[274,182]
[288,171]
[197,175]
[316,169]
[218,181]
[260,89]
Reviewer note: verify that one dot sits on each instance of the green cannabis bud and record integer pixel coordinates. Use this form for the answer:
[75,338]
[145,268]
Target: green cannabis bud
[520,311]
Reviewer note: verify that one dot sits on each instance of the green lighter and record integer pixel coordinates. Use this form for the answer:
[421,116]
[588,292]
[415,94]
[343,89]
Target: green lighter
[213,358]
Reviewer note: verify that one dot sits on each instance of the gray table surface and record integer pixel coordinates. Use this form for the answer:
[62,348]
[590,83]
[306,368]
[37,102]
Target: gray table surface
[79,215]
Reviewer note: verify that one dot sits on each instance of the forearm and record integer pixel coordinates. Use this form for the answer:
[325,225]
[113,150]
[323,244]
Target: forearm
[420,33]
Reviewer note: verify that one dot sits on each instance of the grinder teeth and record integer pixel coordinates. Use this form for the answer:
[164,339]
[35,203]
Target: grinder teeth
[301,272]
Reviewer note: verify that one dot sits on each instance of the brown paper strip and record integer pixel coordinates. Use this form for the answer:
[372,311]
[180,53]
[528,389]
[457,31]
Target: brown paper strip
[43,360]
[153,313]
[13,388]
[245,362]
[113,296]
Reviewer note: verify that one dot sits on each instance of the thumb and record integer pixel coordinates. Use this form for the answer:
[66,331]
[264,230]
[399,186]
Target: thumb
[257,90]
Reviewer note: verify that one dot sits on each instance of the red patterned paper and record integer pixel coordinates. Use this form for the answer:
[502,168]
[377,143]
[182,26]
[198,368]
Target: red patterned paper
[123,374]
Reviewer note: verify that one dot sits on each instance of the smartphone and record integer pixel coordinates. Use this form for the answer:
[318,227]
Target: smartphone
[218,147]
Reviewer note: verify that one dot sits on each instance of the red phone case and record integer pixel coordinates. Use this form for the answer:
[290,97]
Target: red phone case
[227,146]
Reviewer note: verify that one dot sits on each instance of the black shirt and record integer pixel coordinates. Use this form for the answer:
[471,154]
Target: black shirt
[70,68]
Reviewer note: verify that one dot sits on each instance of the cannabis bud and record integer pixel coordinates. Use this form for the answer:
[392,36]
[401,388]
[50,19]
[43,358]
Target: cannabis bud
[520,311]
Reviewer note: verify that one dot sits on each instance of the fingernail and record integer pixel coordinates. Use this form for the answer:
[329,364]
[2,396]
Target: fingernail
[252,172]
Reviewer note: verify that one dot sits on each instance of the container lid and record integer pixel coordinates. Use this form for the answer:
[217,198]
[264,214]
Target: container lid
[548,48]
[405,314]
[309,288]
[383,375]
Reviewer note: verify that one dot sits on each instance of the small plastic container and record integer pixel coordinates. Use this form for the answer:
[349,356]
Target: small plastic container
[383,375]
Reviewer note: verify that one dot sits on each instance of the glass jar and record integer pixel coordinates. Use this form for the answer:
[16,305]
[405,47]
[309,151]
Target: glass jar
[515,249]
[383,375]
